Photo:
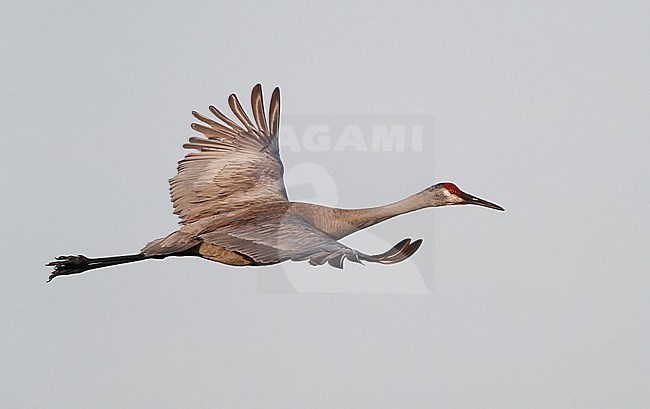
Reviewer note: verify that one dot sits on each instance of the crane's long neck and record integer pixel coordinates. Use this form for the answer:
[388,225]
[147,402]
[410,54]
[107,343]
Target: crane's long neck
[348,221]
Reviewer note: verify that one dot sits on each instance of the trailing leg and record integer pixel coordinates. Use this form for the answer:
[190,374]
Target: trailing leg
[67,265]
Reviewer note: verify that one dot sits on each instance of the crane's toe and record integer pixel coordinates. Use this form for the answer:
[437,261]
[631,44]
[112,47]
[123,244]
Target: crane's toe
[66,265]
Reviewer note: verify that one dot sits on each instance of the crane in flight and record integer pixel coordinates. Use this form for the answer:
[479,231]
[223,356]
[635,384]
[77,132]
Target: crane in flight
[233,206]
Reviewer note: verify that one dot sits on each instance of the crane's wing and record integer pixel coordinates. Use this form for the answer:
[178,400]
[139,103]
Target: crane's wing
[234,164]
[297,240]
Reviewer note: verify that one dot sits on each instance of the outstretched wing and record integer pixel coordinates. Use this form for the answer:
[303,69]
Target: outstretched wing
[297,240]
[234,164]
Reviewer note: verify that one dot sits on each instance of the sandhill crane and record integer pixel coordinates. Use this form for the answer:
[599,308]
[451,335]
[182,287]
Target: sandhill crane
[230,196]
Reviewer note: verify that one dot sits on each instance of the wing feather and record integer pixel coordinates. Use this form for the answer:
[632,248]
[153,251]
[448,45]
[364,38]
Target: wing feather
[239,112]
[215,125]
[274,112]
[232,166]
[257,102]
[225,119]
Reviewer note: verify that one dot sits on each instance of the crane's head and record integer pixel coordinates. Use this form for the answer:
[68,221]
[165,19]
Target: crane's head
[446,193]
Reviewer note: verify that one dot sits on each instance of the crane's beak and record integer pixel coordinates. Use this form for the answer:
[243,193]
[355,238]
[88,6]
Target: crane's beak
[469,199]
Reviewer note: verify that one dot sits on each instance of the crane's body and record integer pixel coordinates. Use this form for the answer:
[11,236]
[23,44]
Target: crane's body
[234,208]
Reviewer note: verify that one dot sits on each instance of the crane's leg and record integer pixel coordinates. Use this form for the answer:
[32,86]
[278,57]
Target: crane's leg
[67,265]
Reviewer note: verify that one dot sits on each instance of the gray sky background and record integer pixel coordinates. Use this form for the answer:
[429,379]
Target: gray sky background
[540,107]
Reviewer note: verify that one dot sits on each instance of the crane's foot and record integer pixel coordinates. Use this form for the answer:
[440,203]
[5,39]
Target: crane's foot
[67,265]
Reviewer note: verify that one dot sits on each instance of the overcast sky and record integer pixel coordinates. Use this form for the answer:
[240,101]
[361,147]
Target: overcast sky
[541,108]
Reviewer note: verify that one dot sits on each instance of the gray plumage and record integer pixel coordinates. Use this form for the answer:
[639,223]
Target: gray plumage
[233,206]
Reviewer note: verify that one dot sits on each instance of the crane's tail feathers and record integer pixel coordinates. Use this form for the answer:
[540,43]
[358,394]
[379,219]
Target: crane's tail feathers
[67,265]
[399,252]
